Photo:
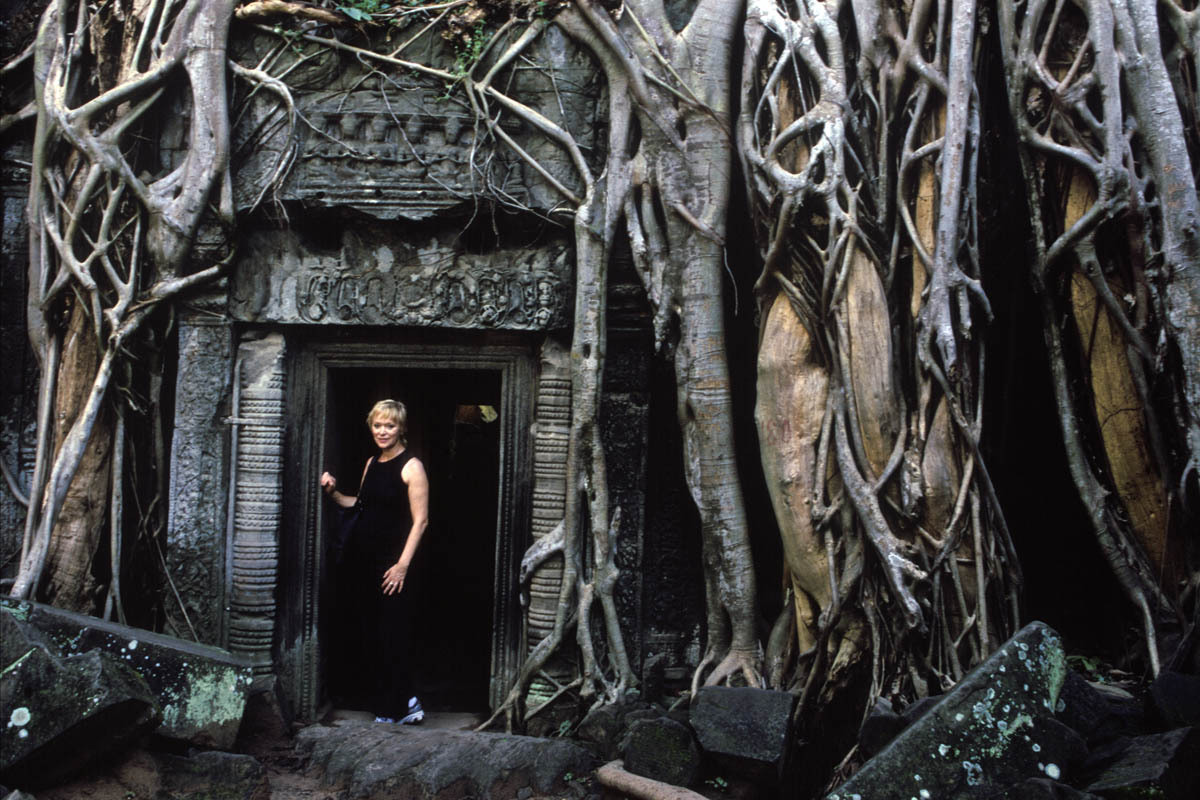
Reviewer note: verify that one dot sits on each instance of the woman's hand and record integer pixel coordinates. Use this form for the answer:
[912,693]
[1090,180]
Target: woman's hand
[328,483]
[393,579]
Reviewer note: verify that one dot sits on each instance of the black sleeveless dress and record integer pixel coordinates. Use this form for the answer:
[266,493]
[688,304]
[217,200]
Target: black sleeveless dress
[375,625]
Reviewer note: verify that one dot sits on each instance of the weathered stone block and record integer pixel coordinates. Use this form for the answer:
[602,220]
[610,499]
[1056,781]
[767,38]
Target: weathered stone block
[62,714]
[201,690]
[989,730]
[664,750]
[881,726]
[1162,765]
[749,729]
[375,760]
[602,728]
[1175,698]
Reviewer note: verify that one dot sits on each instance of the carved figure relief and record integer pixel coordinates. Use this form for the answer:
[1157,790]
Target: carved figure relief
[373,283]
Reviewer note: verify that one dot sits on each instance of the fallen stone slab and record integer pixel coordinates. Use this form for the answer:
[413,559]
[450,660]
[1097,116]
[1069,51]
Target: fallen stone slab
[368,759]
[663,750]
[1175,698]
[1098,716]
[60,715]
[989,731]
[604,727]
[749,730]
[1161,765]
[201,690]
[879,728]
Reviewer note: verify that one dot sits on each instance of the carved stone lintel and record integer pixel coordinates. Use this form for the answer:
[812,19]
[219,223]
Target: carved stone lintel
[372,280]
[258,499]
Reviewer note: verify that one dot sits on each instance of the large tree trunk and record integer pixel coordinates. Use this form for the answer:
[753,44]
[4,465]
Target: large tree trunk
[859,134]
[1109,179]
[109,244]
[82,521]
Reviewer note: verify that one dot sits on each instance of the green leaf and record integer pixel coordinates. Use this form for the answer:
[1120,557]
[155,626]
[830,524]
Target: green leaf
[356,14]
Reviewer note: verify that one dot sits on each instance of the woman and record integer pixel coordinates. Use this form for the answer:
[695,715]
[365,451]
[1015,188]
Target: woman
[393,502]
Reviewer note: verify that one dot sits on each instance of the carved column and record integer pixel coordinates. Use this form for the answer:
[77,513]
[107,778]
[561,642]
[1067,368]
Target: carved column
[258,499]
[198,498]
[551,435]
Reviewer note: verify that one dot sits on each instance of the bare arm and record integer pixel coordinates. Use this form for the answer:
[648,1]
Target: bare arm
[418,502]
[329,485]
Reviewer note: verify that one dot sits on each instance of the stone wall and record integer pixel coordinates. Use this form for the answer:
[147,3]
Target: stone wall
[19,376]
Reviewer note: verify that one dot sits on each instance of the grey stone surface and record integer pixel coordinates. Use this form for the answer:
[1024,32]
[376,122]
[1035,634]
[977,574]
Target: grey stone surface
[664,750]
[376,760]
[201,690]
[880,727]
[1031,789]
[1175,698]
[914,711]
[604,727]
[19,378]
[62,714]
[199,485]
[1083,708]
[1160,765]
[747,727]
[989,731]
[368,276]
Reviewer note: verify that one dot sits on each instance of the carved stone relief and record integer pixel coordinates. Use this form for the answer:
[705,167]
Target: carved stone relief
[398,146]
[198,511]
[374,281]
[258,499]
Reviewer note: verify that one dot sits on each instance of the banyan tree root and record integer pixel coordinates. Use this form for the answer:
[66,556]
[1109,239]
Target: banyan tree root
[1107,127]
[867,234]
[103,231]
[616,777]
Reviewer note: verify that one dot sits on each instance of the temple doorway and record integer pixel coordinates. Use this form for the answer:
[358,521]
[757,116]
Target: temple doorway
[470,404]
[454,424]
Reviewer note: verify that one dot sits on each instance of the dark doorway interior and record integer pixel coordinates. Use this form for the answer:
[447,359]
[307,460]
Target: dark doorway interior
[453,427]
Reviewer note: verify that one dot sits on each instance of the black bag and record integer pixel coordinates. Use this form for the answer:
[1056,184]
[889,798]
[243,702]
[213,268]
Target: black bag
[347,518]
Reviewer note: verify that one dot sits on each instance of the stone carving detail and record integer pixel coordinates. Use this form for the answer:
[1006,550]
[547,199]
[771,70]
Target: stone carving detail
[369,280]
[461,297]
[258,499]
[550,439]
[199,490]
[418,153]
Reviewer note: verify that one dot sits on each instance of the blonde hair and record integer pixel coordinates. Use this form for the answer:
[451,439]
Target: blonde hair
[394,411]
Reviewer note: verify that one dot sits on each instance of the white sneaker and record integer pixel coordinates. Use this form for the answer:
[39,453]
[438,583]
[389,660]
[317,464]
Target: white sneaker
[415,713]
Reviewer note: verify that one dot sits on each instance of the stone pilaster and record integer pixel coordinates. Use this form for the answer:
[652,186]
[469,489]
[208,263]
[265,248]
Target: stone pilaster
[258,500]
[198,511]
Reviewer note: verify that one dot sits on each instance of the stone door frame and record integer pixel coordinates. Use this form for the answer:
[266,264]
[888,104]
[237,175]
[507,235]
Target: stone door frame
[302,559]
